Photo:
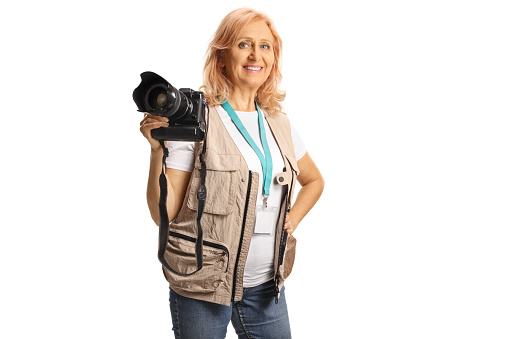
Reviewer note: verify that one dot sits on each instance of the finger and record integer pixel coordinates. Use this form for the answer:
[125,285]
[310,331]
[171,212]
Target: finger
[144,120]
[146,128]
[157,118]
[152,118]
[150,122]
[151,125]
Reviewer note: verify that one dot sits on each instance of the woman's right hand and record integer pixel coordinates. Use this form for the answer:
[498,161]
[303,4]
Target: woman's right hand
[149,123]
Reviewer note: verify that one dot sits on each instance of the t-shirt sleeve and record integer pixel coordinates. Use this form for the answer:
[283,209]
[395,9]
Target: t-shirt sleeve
[298,144]
[180,155]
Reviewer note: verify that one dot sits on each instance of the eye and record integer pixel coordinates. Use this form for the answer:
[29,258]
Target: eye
[244,45]
[265,46]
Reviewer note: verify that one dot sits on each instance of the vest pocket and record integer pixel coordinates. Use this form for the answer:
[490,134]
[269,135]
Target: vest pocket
[222,182]
[289,256]
[180,254]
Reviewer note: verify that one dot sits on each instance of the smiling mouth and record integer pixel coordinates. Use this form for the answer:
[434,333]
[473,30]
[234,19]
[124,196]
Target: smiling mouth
[252,68]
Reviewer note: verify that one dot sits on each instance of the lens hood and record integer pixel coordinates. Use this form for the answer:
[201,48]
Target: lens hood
[151,82]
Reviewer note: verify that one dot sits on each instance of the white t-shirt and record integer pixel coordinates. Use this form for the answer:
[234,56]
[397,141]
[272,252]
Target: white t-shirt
[260,260]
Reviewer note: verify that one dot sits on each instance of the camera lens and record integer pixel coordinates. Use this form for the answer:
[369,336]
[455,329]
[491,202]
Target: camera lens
[157,97]
[161,100]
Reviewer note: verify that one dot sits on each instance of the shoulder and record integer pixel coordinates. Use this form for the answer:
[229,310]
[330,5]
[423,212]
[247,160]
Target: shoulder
[279,121]
[279,117]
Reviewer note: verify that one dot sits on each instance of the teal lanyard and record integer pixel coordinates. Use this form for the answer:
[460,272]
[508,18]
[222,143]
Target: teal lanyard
[266,160]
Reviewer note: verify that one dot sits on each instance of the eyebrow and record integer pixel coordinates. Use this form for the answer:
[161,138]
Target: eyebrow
[249,38]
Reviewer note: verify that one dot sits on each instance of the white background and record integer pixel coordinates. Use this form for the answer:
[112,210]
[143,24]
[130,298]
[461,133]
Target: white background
[403,105]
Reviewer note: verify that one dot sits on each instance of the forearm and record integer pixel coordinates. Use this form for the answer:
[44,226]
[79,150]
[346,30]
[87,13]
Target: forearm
[306,199]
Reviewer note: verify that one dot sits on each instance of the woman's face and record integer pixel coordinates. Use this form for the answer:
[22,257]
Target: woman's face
[249,62]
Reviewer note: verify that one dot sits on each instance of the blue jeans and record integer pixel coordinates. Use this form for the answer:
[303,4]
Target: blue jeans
[255,316]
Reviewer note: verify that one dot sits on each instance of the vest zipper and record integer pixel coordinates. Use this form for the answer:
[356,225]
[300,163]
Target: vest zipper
[282,247]
[241,235]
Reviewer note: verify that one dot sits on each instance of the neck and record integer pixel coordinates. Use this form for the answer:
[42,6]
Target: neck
[243,100]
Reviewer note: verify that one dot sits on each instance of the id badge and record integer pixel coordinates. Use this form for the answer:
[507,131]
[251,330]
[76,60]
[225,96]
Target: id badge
[266,219]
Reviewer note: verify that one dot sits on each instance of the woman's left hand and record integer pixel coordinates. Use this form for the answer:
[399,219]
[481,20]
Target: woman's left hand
[289,225]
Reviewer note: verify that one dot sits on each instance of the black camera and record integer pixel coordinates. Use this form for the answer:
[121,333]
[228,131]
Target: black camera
[184,108]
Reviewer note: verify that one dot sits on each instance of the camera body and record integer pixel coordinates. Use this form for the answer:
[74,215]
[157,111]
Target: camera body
[184,108]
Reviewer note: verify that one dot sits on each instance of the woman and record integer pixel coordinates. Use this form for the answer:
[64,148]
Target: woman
[253,158]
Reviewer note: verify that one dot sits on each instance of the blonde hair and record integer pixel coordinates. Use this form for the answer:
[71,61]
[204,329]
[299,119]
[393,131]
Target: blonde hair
[216,84]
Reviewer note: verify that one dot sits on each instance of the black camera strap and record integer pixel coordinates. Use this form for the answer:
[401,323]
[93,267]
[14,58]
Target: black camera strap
[164,222]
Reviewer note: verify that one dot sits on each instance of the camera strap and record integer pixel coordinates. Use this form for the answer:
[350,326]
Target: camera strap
[164,222]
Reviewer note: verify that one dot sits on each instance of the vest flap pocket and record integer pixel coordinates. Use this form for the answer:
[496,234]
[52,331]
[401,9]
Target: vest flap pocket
[219,162]
[221,183]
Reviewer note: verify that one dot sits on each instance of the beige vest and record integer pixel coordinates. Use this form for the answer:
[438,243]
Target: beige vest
[228,217]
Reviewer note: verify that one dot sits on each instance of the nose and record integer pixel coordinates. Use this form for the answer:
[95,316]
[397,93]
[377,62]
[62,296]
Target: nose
[255,54]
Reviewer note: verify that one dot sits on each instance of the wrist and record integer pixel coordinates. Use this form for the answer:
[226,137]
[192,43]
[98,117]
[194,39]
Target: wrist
[156,148]
[156,151]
